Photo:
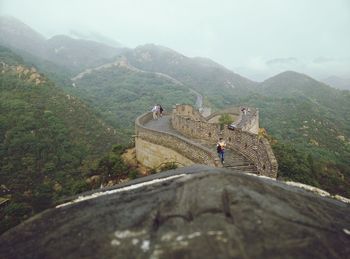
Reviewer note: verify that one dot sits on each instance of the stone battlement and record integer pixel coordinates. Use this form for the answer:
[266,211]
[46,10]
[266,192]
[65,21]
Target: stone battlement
[252,146]
[156,146]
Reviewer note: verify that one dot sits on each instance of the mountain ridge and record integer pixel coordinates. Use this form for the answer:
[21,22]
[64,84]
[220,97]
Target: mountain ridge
[76,54]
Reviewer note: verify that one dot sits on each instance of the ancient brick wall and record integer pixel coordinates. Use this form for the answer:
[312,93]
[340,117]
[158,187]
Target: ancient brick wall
[250,121]
[149,149]
[255,148]
[188,111]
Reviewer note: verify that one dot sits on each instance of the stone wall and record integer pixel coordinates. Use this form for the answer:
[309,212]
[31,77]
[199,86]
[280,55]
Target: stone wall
[154,156]
[188,111]
[248,122]
[171,147]
[251,121]
[255,148]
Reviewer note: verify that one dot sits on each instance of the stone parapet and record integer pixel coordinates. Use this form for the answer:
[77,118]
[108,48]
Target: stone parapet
[187,148]
[254,147]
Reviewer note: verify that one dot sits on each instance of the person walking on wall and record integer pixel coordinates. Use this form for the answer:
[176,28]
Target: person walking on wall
[154,112]
[220,148]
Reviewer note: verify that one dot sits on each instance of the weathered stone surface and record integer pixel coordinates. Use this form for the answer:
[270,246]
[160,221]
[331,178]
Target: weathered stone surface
[181,145]
[153,156]
[201,212]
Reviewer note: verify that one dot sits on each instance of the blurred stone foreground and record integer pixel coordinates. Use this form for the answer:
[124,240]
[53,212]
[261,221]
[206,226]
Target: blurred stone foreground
[192,212]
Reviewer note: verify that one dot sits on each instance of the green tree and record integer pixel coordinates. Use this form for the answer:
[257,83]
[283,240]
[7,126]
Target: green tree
[225,119]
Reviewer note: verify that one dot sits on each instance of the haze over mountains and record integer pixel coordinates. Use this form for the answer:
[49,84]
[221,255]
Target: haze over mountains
[74,54]
[111,85]
[338,82]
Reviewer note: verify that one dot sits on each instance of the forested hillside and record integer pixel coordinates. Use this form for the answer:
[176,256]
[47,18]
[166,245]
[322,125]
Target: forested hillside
[121,94]
[51,143]
[219,85]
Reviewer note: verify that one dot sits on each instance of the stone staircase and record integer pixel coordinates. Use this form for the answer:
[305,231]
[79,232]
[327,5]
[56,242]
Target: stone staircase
[238,162]
[233,160]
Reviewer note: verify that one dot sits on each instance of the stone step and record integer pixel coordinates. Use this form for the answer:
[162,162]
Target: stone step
[243,167]
[253,171]
[237,162]
[238,166]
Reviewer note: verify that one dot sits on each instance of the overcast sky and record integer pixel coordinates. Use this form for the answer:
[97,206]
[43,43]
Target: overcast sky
[255,38]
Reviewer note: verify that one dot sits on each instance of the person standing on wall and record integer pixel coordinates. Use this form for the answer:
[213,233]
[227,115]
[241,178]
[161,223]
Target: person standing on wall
[154,111]
[220,148]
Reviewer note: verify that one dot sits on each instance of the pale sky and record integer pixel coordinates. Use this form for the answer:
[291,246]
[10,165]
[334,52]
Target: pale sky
[255,38]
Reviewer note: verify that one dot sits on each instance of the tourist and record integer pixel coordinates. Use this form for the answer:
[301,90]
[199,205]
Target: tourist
[220,148]
[154,111]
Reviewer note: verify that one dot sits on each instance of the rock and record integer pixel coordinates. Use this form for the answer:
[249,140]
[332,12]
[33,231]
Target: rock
[57,187]
[340,137]
[193,212]
[314,142]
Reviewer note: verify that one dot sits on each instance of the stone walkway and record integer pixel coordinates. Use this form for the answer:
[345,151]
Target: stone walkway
[232,158]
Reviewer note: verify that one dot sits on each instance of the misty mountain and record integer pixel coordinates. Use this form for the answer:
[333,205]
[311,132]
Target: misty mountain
[333,104]
[95,36]
[77,54]
[121,92]
[70,56]
[73,54]
[338,82]
[290,83]
[309,122]
[212,80]
[17,35]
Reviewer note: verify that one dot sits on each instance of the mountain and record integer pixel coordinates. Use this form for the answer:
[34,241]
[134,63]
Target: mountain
[72,54]
[15,34]
[121,92]
[61,53]
[214,81]
[309,123]
[78,54]
[292,83]
[295,85]
[51,143]
[95,36]
[338,82]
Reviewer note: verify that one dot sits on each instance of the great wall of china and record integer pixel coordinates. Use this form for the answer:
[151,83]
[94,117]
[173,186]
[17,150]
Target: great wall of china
[186,137]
